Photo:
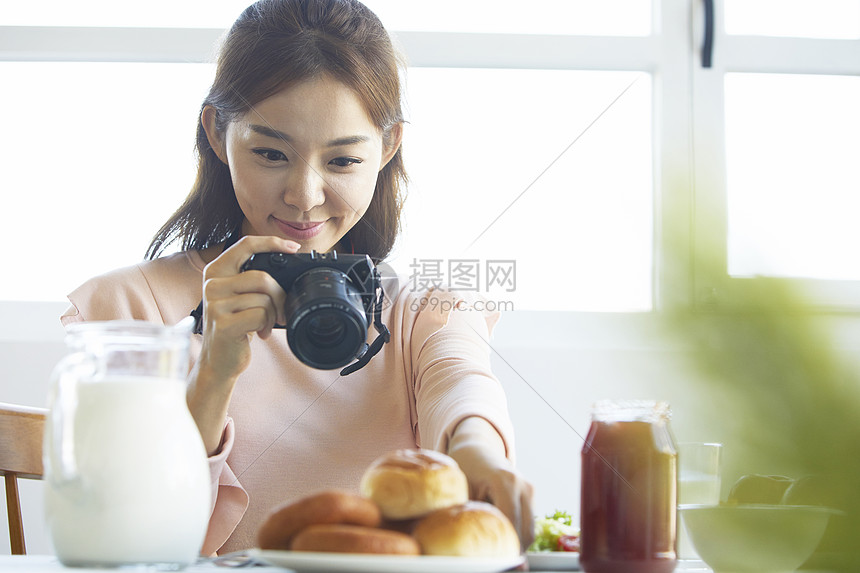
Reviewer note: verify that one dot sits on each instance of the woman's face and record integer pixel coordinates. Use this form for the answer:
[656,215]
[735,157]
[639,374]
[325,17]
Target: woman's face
[304,162]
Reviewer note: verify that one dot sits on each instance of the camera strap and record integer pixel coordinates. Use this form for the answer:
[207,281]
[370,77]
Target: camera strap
[383,336]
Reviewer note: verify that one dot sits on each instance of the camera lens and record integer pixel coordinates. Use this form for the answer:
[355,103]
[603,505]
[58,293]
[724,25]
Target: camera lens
[326,319]
[326,329]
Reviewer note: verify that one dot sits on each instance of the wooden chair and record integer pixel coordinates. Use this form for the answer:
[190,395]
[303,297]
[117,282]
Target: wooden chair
[21,431]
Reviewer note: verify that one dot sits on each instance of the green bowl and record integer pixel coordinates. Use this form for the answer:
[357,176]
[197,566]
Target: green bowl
[755,538]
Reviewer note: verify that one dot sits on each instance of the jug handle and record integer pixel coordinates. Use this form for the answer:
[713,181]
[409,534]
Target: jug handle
[58,447]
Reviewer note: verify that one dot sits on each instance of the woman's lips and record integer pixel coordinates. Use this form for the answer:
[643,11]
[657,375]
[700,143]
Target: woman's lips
[299,231]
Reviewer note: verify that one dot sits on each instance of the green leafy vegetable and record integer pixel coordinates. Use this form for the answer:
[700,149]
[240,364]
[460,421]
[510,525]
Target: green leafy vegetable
[548,529]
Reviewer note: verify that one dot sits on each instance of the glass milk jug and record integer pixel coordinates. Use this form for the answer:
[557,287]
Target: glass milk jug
[126,475]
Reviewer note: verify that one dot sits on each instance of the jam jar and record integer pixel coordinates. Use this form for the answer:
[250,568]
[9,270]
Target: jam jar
[629,489]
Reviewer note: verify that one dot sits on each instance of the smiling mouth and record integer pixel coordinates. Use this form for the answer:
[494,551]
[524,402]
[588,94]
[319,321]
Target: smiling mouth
[303,226]
[299,231]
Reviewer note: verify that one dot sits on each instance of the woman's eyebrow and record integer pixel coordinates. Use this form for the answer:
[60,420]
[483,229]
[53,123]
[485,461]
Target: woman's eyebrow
[270,132]
[348,140]
[339,142]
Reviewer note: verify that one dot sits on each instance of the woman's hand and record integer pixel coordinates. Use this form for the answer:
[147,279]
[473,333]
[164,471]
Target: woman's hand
[480,452]
[236,305]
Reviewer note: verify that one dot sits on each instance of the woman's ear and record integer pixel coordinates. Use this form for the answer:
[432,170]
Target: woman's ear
[391,140]
[216,138]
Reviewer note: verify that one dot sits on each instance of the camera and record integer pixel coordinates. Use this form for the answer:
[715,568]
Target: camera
[331,301]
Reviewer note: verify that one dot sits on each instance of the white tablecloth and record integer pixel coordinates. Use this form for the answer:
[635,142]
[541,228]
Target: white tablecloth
[49,564]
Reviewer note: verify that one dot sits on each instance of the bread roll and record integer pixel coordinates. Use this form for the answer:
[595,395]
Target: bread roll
[354,539]
[474,529]
[325,507]
[406,484]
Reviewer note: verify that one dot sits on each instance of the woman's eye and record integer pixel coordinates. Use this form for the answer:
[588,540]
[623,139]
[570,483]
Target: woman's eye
[271,154]
[345,161]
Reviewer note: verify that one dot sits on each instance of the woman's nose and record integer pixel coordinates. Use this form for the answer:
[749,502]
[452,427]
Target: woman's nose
[305,188]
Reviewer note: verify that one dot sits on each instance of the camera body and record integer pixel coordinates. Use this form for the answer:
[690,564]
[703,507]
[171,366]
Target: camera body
[331,301]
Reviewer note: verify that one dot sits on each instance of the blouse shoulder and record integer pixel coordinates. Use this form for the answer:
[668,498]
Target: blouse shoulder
[160,290]
[425,312]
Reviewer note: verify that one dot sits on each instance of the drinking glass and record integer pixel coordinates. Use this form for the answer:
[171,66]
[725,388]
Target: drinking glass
[698,483]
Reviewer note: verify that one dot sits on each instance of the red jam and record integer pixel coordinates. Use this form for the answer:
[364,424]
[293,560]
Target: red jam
[629,490]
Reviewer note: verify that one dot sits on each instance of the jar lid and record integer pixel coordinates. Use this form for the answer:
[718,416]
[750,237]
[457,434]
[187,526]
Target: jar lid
[631,410]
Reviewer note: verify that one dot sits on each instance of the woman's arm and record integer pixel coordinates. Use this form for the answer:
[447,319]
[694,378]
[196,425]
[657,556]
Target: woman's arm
[461,406]
[236,305]
[480,451]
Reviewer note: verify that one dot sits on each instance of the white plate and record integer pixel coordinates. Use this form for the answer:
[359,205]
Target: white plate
[553,561]
[366,563]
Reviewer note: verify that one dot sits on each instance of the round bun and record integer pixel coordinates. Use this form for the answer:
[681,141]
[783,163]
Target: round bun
[325,507]
[474,529]
[406,484]
[354,539]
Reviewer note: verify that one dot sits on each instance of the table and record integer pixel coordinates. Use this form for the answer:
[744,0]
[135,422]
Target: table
[49,564]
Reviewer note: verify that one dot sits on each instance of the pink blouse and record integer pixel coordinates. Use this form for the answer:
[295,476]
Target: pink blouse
[293,430]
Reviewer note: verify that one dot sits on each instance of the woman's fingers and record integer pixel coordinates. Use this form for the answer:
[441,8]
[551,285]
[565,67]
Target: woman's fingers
[512,494]
[526,526]
[245,312]
[237,304]
[230,262]
[232,294]
[224,283]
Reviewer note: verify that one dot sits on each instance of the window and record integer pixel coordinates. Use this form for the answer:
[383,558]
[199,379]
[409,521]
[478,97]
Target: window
[792,143]
[778,133]
[571,17]
[514,159]
[793,18]
[96,156]
[562,137]
[494,180]
[106,13]
[475,16]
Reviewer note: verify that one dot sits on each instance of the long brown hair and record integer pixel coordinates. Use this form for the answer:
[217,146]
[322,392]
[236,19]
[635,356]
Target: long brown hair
[273,44]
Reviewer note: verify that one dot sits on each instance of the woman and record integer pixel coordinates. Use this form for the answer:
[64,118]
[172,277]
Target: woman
[299,150]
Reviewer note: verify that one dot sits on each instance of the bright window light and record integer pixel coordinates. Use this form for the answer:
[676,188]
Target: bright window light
[99,13]
[833,19]
[591,17]
[792,145]
[550,169]
[95,157]
[586,17]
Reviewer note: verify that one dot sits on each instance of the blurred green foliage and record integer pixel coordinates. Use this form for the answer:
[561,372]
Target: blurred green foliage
[794,400]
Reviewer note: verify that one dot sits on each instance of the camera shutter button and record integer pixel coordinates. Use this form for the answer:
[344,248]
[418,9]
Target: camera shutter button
[278,258]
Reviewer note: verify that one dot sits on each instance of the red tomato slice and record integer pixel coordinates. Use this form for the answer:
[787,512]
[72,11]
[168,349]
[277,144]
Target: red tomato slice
[568,543]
